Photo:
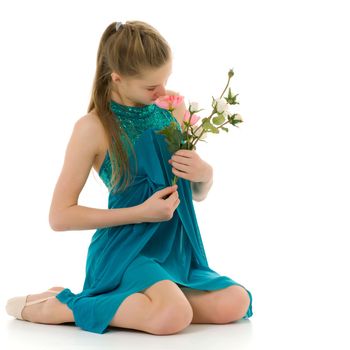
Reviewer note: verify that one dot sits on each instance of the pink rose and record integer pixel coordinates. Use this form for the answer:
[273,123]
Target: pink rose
[194,118]
[169,102]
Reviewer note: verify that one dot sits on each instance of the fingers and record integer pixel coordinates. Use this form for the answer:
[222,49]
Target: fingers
[174,199]
[166,191]
[171,198]
[177,202]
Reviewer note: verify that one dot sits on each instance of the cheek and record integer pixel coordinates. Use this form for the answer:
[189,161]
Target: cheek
[146,95]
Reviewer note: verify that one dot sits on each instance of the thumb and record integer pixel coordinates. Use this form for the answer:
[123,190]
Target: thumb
[166,190]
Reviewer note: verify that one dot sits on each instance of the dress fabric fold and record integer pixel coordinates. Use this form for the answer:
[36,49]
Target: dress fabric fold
[125,259]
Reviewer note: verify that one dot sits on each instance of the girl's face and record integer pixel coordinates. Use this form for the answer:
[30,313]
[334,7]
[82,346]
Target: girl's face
[131,91]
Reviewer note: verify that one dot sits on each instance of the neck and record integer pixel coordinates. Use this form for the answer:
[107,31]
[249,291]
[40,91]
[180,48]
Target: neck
[116,96]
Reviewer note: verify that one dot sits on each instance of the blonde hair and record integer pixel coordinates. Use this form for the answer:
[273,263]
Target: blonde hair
[135,47]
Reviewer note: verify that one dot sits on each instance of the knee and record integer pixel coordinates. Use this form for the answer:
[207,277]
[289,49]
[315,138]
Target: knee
[171,318]
[233,307]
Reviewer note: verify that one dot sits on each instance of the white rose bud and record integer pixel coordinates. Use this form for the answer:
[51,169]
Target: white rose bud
[227,111]
[238,117]
[221,105]
[194,106]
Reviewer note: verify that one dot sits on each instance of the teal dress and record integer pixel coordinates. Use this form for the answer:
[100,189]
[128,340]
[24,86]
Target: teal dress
[125,259]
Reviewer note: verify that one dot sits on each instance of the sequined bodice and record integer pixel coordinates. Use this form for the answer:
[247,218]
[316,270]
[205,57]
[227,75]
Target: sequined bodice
[135,121]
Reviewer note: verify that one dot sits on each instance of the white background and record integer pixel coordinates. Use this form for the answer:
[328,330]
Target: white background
[277,217]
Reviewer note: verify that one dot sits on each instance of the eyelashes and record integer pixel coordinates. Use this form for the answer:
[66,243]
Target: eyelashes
[152,89]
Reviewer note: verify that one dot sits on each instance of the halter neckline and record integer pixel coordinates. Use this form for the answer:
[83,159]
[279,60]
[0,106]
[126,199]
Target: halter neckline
[131,108]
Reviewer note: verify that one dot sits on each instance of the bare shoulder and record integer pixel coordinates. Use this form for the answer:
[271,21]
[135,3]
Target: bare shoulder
[93,127]
[90,120]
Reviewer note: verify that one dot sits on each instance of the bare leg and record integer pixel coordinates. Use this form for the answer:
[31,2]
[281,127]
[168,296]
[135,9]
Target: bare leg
[50,311]
[160,313]
[137,311]
[219,306]
[134,312]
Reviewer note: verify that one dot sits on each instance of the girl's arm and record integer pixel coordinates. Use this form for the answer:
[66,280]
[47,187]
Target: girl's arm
[78,217]
[65,213]
[200,189]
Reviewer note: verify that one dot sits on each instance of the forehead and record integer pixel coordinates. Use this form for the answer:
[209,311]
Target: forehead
[157,76]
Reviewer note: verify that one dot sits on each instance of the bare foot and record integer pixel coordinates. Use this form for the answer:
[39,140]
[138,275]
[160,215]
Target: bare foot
[35,313]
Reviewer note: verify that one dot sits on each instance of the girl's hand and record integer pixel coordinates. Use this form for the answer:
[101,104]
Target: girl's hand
[160,206]
[188,165]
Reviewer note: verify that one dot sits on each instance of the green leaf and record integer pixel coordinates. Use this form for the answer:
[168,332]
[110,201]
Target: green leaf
[233,121]
[231,99]
[207,126]
[218,119]
[173,137]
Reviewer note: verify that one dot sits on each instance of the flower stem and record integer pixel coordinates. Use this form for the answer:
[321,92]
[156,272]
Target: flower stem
[228,82]
[174,180]
[209,118]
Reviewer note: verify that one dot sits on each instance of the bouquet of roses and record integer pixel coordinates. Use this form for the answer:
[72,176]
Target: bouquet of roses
[195,131]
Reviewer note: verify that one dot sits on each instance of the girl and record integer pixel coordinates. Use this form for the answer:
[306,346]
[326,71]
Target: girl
[146,266]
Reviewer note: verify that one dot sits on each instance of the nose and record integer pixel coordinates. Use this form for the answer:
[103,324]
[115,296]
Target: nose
[161,91]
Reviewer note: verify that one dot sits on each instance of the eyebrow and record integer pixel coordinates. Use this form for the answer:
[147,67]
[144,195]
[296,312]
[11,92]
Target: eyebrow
[149,86]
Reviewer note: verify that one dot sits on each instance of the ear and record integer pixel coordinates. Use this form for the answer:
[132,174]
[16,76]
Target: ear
[115,77]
